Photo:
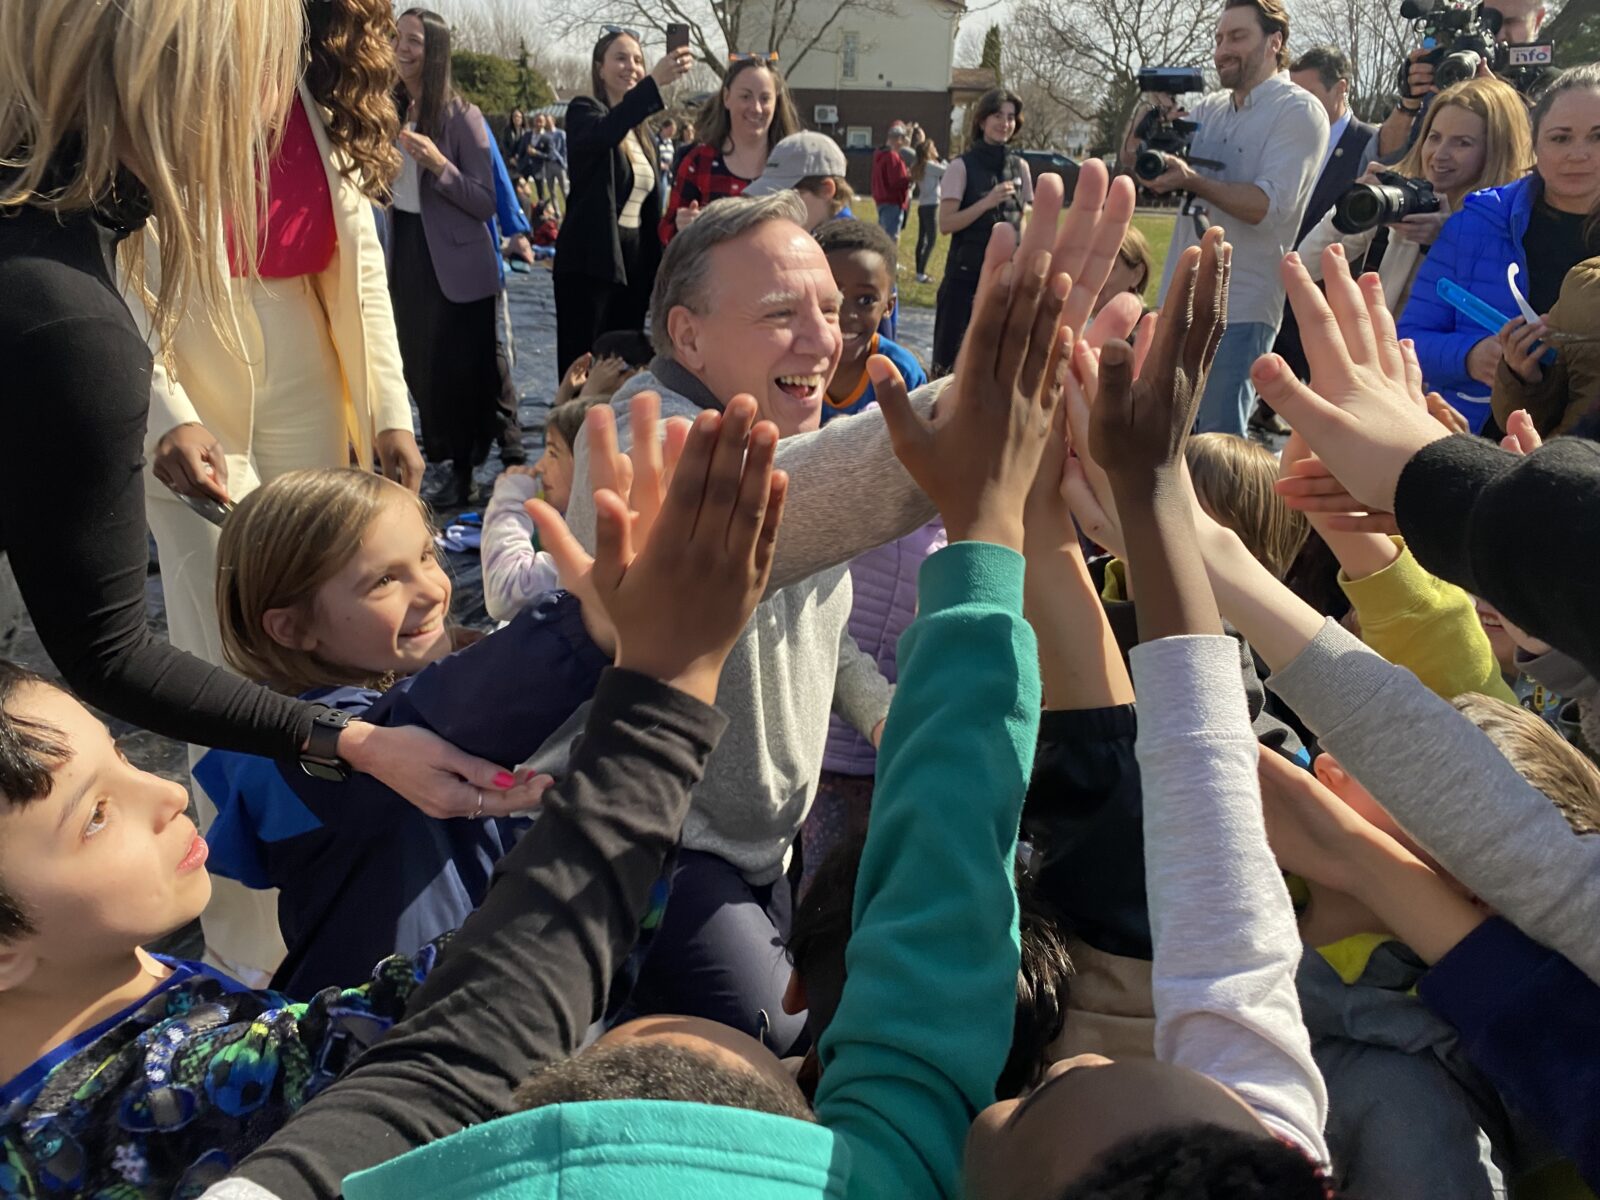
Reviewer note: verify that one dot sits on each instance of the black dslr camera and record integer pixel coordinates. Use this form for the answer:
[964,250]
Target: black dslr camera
[1394,197]
[1458,35]
[1162,136]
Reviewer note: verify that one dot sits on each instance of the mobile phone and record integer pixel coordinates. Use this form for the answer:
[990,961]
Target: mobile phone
[215,511]
[677,36]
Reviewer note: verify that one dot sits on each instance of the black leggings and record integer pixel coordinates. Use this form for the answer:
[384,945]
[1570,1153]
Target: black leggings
[927,234]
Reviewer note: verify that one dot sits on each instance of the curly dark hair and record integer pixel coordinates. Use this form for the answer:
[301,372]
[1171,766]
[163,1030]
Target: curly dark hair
[1202,1162]
[351,73]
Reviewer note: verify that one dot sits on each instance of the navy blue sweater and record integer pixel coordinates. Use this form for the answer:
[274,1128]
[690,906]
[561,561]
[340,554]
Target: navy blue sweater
[362,873]
[1530,1021]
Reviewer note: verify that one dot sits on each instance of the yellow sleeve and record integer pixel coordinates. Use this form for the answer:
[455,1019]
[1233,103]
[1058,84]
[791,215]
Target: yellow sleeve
[1428,626]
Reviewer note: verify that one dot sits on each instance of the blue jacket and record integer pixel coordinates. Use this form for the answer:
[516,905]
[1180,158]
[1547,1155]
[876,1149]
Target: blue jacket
[1530,1021]
[508,219]
[1474,248]
[362,873]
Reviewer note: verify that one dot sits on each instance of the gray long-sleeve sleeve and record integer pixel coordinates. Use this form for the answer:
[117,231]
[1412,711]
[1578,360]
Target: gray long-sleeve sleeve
[861,694]
[1226,947]
[1451,789]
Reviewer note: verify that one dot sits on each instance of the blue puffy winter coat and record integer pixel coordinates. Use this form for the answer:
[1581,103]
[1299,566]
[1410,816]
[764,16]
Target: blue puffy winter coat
[1473,248]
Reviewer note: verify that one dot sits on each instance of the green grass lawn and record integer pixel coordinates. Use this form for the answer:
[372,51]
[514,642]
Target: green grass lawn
[1157,229]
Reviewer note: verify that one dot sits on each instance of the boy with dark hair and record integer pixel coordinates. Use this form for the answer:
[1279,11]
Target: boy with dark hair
[863,259]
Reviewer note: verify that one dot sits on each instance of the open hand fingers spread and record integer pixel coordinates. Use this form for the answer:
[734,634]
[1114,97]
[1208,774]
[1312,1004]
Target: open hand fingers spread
[1105,242]
[1390,361]
[1319,330]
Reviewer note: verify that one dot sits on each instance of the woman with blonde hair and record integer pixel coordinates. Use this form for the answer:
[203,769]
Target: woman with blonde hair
[323,378]
[1475,135]
[112,116]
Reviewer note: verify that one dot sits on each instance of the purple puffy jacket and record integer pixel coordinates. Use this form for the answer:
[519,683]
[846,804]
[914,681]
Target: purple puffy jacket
[885,585]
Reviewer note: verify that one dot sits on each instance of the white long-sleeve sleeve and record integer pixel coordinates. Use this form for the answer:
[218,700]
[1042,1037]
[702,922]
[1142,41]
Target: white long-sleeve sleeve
[1226,945]
[514,573]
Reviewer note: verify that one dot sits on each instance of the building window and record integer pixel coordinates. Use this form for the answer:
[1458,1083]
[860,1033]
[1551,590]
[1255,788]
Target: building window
[858,137]
[848,54]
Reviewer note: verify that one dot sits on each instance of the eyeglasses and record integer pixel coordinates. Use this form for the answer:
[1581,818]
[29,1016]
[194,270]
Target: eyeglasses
[617,29]
[768,59]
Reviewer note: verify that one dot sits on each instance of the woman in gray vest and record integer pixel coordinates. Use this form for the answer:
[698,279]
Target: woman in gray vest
[984,186]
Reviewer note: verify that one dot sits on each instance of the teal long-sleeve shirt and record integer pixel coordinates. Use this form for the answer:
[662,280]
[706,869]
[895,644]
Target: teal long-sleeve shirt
[925,1022]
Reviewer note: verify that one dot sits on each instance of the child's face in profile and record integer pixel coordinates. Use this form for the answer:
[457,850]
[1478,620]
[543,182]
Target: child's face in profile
[388,608]
[104,863]
[555,468]
[863,277]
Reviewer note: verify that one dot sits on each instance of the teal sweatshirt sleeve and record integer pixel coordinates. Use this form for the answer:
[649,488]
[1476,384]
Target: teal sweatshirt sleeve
[925,1022]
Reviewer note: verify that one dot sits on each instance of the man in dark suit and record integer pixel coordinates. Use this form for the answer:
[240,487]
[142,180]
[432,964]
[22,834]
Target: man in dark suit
[1325,73]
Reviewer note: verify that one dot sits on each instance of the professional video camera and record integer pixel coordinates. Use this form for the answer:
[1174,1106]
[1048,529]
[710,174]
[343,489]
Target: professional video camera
[1459,36]
[1162,135]
[1393,198]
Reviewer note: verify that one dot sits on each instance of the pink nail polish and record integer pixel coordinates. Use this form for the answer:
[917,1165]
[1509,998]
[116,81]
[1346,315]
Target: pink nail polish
[505,779]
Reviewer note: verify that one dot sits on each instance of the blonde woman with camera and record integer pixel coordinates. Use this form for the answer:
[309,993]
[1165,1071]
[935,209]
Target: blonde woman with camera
[1475,135]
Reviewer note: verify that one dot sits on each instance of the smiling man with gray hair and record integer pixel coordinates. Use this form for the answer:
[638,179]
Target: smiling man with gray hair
[745,304]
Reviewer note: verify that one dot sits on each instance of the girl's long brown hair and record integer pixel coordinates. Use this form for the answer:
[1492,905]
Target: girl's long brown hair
[351,73]
[716,127]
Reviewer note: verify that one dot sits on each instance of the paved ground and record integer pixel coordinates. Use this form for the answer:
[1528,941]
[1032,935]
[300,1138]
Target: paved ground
[533,318]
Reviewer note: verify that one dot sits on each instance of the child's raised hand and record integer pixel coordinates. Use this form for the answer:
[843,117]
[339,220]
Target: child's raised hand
[1363,414]
[1140,426]
[978,457]
[680,603]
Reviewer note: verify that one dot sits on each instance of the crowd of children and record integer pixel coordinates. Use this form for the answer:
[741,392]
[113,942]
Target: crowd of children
[1229,832]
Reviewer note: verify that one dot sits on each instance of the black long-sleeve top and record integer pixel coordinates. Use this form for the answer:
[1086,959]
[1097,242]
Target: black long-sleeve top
[73,410]
[528,973]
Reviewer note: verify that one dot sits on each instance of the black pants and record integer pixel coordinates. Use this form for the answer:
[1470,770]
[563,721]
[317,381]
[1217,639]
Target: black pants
[927,234]
[586,307]
[719,953]
[951,318]
[447,351]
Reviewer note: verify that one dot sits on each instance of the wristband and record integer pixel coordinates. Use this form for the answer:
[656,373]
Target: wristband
[320,759]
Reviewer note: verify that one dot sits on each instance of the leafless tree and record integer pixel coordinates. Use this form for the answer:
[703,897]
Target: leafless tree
[792,28]
[498,27]
[1374,35]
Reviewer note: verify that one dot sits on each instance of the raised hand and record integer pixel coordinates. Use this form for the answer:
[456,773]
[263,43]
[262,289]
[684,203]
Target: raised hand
[1522,435]
[685,561]
[1363,413]
[978,457]
[1140,426]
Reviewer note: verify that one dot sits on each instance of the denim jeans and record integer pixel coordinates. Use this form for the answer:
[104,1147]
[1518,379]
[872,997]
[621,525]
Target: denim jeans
[890,216]
[1225,408]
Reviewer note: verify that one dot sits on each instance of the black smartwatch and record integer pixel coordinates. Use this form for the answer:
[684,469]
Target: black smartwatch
[320,759]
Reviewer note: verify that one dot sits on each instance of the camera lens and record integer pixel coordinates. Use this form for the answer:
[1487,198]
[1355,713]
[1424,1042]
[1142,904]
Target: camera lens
[1457,68]
[1150,164]
[1364,207]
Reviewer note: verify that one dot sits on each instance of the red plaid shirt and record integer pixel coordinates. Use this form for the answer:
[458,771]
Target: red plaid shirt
[702,176]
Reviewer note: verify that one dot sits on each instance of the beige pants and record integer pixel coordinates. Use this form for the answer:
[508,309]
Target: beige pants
[298,421]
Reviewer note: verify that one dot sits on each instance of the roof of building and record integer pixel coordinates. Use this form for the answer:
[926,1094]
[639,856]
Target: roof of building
[971,79]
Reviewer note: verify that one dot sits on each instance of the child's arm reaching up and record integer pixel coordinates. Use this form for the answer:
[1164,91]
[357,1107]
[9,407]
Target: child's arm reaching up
[1225,942]
[530,970]
[514,572]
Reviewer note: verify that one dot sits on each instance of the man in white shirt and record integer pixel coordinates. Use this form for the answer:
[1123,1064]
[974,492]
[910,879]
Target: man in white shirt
[1270,137]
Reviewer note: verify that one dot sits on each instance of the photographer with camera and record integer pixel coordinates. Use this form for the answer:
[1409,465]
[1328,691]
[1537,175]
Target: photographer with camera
[1459,26]
[1264,138]
[1540,224]
[1474,136]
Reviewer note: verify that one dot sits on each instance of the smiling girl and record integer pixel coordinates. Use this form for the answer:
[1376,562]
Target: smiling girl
[329,586]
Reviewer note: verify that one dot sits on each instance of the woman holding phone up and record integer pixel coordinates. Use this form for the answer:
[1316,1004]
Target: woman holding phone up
[983,187]
[608,251]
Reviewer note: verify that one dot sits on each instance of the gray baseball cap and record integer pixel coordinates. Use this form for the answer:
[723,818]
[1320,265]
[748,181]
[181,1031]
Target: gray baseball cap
[799,156]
